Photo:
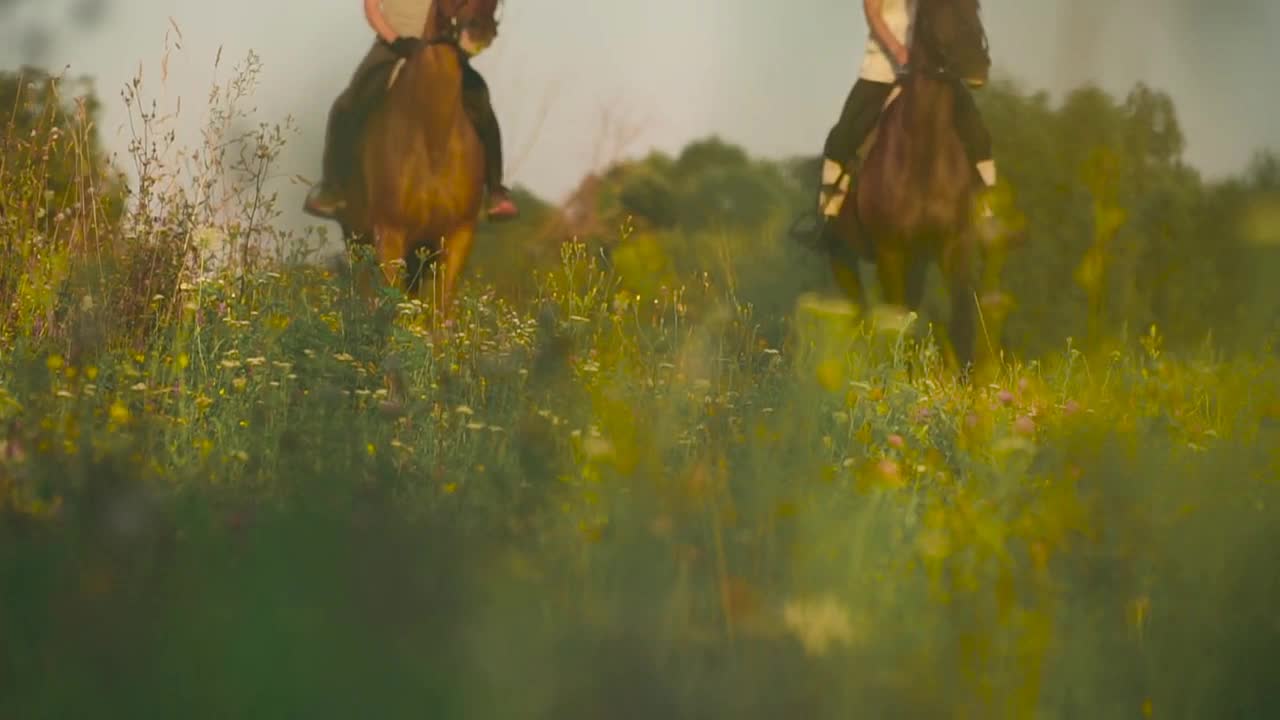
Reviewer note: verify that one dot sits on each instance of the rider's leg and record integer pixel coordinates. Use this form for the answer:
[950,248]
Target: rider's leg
[344,119]
[977,140]
[479,108]
[857,118]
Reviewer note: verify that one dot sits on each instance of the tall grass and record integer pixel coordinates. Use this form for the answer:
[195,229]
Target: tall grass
[603,502]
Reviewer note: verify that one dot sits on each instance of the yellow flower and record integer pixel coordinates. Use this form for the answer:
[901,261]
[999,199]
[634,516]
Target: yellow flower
[119,413]
[54,362]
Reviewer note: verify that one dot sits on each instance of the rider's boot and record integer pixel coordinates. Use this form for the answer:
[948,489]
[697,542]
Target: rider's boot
[836,181]
[323,201]
[832,195]
[501,206]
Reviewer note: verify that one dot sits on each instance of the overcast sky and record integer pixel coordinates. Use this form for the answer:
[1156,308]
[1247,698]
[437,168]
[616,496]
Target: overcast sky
[769,74]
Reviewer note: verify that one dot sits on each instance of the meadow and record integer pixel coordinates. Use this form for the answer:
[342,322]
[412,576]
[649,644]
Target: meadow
[601,499]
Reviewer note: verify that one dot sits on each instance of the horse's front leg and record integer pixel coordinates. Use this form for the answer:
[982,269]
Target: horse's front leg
[390,244]
[958,268]
[891,268]
[456,249]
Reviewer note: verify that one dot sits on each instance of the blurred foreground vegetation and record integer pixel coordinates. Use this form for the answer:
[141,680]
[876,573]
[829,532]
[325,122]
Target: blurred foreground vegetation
[653,476]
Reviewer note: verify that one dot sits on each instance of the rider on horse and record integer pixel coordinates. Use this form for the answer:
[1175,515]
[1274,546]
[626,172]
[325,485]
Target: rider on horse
[399,25]
[887,53]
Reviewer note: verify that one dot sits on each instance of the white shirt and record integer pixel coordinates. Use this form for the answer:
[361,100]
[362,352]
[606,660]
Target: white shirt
[878,64]
[407,17]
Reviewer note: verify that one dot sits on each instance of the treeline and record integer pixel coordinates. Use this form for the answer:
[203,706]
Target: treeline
[1114,231]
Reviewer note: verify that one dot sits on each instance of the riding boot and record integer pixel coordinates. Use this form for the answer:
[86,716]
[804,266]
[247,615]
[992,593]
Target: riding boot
[479,108]
[836,181]
[367,85]
[323,200]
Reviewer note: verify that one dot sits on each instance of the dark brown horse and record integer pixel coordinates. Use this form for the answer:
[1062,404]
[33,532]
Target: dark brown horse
[417,184]
[914,199]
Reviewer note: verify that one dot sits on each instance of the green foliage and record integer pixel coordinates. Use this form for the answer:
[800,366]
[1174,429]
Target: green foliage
[622,497]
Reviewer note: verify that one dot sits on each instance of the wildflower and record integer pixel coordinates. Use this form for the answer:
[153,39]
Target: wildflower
[54,363]
[239,383]
[256,361]
[119,413]
[1024,426]
[896,441]
[139,387]
[890,472]
[464,410]
[1005,397]
[597,448]
[818,624]
[230,364]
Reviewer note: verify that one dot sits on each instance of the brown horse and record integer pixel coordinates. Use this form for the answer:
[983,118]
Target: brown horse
[914,199]
[418,179]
